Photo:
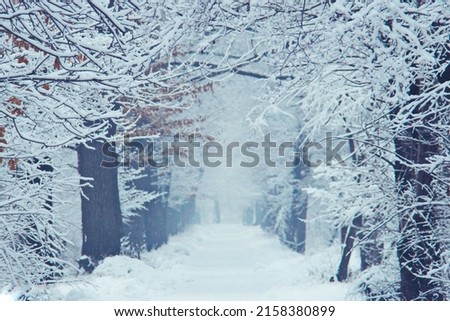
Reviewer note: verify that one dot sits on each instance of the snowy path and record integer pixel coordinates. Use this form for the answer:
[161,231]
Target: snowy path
[212,262]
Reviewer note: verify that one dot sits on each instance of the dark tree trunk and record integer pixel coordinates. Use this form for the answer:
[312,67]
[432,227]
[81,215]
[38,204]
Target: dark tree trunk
[134,229]
[100,204]
[154,215]
[39,235]
[156,220]
[188,212]
[349,241]
[371,250]
[156,224]
[173,221]
[133,226]
[350,233]
[296,232]
[417,249]
[259,212]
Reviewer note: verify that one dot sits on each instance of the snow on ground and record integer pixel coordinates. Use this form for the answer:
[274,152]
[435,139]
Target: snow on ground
[212,262]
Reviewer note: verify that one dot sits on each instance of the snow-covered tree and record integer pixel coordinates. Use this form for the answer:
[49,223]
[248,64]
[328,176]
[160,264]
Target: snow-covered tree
[70,74]
[376,73]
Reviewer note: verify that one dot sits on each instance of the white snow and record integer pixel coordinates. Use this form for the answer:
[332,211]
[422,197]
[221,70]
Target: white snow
[5,297]
[212,262]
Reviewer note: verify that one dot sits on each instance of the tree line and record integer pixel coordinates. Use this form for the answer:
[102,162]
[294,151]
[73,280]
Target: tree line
[75,75]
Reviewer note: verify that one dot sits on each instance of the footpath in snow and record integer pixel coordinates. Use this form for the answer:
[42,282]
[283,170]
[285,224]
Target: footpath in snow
[211,262]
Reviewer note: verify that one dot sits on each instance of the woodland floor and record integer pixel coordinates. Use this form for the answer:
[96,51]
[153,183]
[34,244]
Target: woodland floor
[211,262]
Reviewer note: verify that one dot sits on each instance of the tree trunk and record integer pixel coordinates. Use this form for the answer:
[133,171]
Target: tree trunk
[173,221]
[135,232]
[370,250]
[39,235]
[100,205]
[349,241]
[349,233]
[296,233]
[417,250]
[133,227]
[156,224]
[188,212]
